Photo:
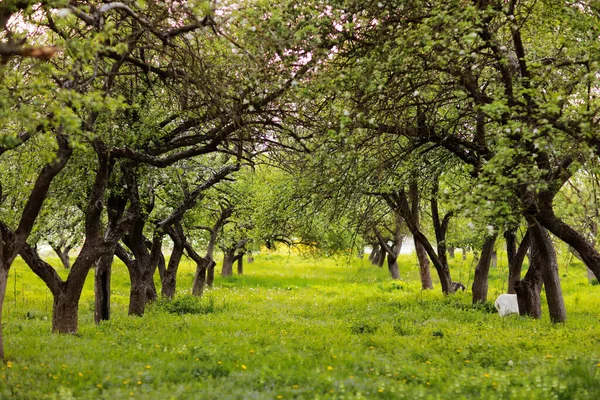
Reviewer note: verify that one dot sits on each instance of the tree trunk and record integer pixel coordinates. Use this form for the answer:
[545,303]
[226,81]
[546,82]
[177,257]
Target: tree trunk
[549,269]
[393,266]
[451,252]
[210,274]
[240,264]
[138,295]
[424,270]
[480,281]
[374,246]
[169,283]
[63,255]
[528,290]
[3,282]
[228,257]
[464,254]
[516,256]
[65,311]
[102,287]
[200,277]
[413,214]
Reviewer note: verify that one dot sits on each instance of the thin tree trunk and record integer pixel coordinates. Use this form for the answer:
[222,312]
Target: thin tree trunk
[424,270]
[102,287]
[63,255]
[413,214]
[516,256]
[169,283]
[549,269]
[200,277]
[480,280]
[393,266]
[210,274]
[451,251]
[464,254]
[240,264]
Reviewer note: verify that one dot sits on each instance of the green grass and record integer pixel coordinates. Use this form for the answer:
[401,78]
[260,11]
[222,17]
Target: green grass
[304,328]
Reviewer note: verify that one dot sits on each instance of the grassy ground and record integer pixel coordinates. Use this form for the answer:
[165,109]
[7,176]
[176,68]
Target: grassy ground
[293,327]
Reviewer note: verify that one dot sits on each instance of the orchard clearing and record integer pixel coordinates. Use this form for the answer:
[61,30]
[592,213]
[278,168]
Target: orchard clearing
[298,327]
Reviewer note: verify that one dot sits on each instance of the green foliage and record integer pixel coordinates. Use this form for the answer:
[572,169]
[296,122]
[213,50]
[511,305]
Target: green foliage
[186,304]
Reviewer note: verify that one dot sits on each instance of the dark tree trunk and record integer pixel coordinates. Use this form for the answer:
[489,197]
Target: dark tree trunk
[464,254]
[250,259]
[413,215]
[63,255]
[528,290]
[380,258]
[210,274]
[451,251]
[516,256]
[240,264]
[228,258]
[65,312]
[549,269]
[143,291]
[102,287]
[480,281]
[169,283]
[393,266]
[374,247]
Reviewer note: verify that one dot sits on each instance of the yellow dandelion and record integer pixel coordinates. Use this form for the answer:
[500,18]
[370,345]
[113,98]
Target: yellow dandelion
[197,359]
[130,393]
[219,362]
[125,382]
[428,383]
[157,346]
[251,351]
[380,390]
[243,367]
[295,387]
[139,382]
[329,368]
[280,397]
[598,365]
[486,375]
[458,351]
[99,386]
[427,362]
[80,374]
[548,355]
[64,366]
[332,391]
[25,368]
[467,361]
[8,364]
[148,367]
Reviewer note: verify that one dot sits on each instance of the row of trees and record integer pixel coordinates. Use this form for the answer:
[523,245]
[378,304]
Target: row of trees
[336,124]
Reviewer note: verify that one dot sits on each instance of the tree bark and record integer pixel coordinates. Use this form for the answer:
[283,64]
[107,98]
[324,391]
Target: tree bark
[480,281]
[549,269]
[528,290]
[169,283]
[63,255]
[102,287]
[424,270]
[516,256]
[228,257]
[65,312]
[393,266]
[210,274]
[240,264]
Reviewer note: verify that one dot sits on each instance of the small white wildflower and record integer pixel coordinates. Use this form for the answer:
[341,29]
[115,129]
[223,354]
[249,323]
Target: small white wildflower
[490,230]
